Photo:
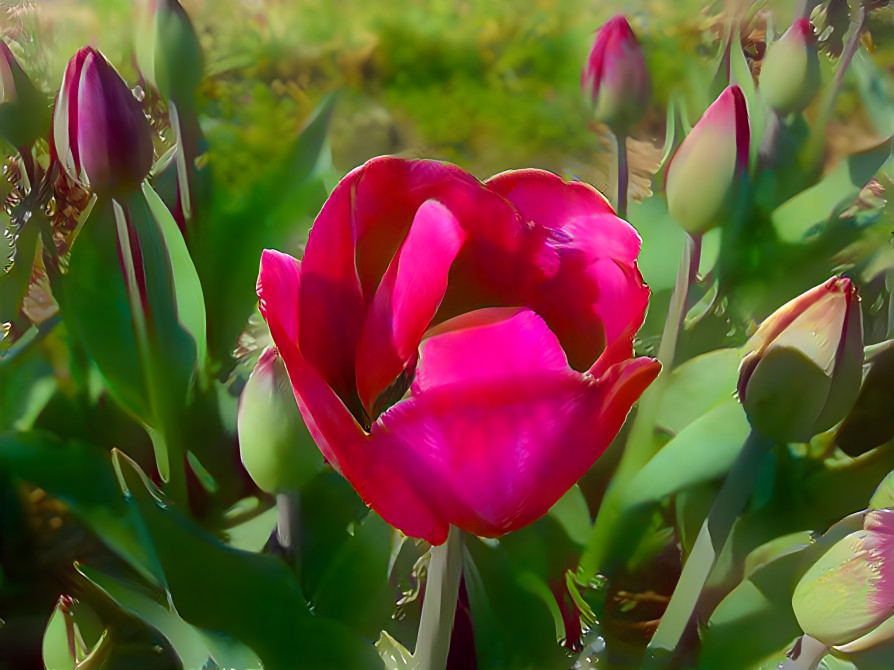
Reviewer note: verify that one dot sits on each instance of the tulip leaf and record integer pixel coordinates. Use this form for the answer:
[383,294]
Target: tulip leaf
[513,626]
[14,282]
[394,655]
[212,586]
[796,218]
[194,646]
[345,556]
[884,494]
[698,386]
[572,513]
[57,653]
[705,449]
[187,287]
[80,475]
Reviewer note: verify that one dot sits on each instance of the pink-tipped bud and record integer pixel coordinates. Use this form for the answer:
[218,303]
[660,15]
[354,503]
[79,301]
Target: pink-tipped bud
[804,366]
[790,75]
[101,136]
[850,589]
[276,448]
[703,172]
[615,77]
[24,113]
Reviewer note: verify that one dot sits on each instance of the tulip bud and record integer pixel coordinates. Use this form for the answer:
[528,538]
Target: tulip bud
[168,50]
[850,589]
[276,448]
[804,368]
[702,174]
[790,75]
[101,136]
[24,112]
[615,75]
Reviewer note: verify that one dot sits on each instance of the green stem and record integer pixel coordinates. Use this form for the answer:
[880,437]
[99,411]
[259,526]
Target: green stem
[439,606]
[827,105]
[715,530]
[806,655]
[623,173]
[640,440]
[287,523]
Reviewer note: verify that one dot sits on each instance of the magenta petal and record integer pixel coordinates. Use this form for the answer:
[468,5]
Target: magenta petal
[406,300]
[334,429]
[494,451]
[596,298]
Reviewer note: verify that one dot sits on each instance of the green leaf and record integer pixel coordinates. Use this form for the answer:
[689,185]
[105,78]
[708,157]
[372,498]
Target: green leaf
[187,287]
[698,386]
[796,218]
[573,515]
[393,653]
[195,647]
[14,283]
[251,597]
[705,449]
[80,475]
[57,653]
[513,626]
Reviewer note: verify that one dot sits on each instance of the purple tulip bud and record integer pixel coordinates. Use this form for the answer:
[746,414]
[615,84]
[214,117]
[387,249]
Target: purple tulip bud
[615,75]
[100,134]
[703,171]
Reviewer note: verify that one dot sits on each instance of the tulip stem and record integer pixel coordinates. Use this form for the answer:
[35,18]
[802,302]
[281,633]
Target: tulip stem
[439,605]
[623,173]
[715,531]
[287,523]
[806,655]
[640,440]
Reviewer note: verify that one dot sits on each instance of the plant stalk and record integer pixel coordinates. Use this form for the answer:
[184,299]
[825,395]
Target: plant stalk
[640,447]
[715,531]
[439,605]
[806,655]
[623,173]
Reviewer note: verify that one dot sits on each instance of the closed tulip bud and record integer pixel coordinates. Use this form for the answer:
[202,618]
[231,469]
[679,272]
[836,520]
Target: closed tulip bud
[790,75]
[168,50]
[804,367]
[276,448]
[850,589]
[703,172]
[24,112]
[615,75]
[101,136]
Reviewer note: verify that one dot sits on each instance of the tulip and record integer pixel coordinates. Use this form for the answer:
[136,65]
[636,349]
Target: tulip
[703,172]
[848,591]
[100,135]
[274,444]
[461,352]
[615,75]
[790,75]
[24,113]
[804,366]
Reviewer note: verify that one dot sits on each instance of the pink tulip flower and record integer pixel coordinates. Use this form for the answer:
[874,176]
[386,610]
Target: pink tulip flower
[460,351]
[101,137]
[615,75]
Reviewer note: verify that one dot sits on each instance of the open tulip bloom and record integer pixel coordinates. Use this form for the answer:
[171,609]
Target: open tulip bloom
[461,352]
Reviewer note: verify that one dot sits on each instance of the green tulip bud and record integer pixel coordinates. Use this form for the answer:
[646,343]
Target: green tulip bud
[804,366]
[849,591]
[168,50]
[276,448]
[790,75]
[702,174]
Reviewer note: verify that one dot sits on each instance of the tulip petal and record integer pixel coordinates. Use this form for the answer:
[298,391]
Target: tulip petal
[332,426]
[494,448]
[596,300]
[406,300]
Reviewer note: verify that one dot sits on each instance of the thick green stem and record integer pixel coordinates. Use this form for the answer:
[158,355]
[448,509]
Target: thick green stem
[287,522]
[806,655]
[713,535]
[640,440]
[623,173]
[439,606]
